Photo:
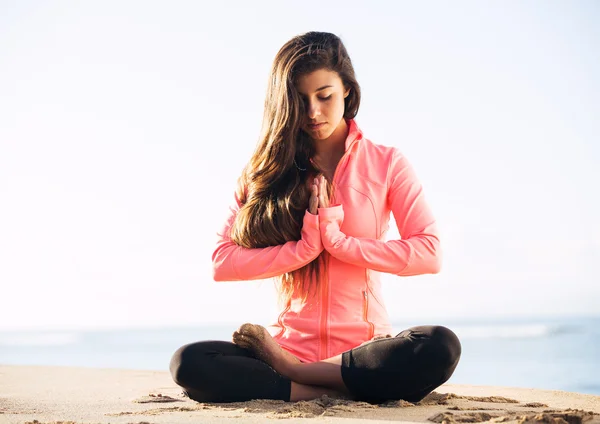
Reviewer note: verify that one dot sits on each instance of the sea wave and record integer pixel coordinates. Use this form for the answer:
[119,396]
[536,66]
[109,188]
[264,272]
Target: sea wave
[156,338]
[505,331]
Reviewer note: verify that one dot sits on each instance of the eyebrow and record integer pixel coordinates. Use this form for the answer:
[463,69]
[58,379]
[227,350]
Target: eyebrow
[323,88]
[319,89]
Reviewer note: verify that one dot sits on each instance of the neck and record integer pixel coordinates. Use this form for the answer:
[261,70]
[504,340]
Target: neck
[333,147]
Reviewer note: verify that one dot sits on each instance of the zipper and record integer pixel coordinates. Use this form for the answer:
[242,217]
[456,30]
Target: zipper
[323,330]
[346,153]
[323,339]
[366,315]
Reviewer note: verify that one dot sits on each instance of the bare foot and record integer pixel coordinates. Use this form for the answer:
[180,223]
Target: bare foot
[257,339]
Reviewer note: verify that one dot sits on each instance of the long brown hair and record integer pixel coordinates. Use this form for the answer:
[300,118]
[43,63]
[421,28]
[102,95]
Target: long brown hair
[273,187]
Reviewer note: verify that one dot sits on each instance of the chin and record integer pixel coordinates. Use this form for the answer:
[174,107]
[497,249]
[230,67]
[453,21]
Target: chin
[320,135]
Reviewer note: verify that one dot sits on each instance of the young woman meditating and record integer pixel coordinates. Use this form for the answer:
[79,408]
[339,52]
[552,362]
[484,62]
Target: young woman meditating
[311,210]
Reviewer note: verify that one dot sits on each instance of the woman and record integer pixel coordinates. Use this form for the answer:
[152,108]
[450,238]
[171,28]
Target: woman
[312,209]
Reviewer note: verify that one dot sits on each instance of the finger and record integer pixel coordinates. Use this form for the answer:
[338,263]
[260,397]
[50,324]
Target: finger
[313,205]
[323,196]
[313,201]
[315,190]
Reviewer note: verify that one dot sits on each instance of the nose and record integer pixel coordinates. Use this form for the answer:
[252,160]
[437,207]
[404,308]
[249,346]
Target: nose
[313,110]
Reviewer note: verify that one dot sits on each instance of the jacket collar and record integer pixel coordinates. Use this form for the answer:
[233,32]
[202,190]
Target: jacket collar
[354,133]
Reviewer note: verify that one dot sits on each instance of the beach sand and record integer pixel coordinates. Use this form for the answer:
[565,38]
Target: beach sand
[37,394]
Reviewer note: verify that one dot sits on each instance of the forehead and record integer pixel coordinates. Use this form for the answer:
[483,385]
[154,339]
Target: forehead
[310,83]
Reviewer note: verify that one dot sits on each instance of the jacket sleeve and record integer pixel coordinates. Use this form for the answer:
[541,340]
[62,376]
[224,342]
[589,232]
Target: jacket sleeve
[232,262]
[418,251]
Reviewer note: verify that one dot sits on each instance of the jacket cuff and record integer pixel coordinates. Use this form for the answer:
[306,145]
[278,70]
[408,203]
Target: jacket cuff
[330,221]
[332,213]
[310,231]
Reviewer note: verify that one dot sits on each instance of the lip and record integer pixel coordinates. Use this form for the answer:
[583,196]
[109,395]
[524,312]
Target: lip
[316,126]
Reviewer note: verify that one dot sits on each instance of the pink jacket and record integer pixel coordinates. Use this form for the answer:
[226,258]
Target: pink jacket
[346,310]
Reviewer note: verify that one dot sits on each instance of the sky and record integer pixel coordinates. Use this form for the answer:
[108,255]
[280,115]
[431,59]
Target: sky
[125,124]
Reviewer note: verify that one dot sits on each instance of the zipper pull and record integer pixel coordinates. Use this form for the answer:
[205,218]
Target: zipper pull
[365,294]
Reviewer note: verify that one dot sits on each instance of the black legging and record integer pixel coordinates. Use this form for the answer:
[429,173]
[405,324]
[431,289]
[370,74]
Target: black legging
[408,366]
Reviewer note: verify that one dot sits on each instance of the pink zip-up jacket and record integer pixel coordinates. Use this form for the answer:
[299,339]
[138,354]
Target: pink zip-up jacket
[347,308]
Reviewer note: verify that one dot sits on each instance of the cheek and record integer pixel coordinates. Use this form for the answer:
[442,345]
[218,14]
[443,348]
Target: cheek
[337,108]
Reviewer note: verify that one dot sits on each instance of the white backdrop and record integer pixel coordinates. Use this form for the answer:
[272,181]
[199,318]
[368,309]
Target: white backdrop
[124,125]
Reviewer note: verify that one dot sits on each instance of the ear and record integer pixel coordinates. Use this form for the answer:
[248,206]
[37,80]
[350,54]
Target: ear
[346,92]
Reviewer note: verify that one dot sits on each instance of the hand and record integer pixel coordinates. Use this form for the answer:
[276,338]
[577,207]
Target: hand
[313,202]
[382,336]
[378,337]
[323,194]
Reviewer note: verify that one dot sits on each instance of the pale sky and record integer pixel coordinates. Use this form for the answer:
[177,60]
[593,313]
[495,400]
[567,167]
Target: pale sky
[125,124]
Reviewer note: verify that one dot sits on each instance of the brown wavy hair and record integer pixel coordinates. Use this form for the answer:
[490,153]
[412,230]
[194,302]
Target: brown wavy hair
[274,186]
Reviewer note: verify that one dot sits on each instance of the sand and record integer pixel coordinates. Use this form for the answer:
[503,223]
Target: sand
[53,395]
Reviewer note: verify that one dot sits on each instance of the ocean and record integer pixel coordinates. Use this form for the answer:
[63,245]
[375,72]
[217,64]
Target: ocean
[552,353]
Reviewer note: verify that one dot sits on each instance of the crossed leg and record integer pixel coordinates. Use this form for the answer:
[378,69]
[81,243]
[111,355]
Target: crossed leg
[309,381]
[408,366]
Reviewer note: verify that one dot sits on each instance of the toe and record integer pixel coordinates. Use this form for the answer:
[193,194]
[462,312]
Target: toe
[251,330]
[237,337]
[246,328]
[242,341]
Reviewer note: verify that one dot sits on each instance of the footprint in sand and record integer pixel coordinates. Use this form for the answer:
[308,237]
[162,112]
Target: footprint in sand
[156,398]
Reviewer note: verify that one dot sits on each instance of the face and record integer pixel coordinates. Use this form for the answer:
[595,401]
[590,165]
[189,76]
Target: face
[323,93]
